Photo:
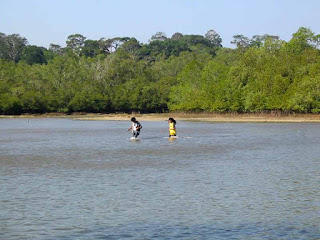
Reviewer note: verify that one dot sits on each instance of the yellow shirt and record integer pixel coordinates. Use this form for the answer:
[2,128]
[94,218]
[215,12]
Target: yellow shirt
[172,129]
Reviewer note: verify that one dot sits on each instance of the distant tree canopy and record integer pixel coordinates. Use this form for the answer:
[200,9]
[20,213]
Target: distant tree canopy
[181,73]
[11,46]
[33,54]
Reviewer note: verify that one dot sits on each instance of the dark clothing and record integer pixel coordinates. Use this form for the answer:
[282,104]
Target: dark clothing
[136,126]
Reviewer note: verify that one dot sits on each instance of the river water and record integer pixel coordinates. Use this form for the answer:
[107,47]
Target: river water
[68,179]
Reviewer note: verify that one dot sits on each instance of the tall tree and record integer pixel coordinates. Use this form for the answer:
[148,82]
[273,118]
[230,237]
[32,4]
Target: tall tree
[104,45]
[214,38]
[3,46]
[177,36]
[75,42]
[116,42]
[159,36]
[90,48]
[304,38]
[259,40]
[55,48]
[241,41]
[132,46]
[11,46]
[112,44]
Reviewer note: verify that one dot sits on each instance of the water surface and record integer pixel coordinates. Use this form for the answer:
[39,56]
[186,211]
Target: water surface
[67,179]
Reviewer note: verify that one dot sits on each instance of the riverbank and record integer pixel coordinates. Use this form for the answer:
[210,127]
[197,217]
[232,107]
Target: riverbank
[205,117]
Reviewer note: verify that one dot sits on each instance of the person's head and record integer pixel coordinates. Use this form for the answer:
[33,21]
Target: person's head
[171,120]
[133,119]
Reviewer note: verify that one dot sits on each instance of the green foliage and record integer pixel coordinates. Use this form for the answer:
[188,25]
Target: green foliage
[33,54]
[11,46]
[75,43]
[188,93]
[167,48]
[132,46]
[91,48]
[181,73]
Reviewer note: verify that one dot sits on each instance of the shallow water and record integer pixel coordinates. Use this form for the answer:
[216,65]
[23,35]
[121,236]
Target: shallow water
[66,179]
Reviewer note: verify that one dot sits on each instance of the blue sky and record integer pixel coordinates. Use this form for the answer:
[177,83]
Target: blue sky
[51,21]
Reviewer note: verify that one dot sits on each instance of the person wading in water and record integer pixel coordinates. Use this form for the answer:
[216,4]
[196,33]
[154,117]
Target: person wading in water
[172,127]
[135,127]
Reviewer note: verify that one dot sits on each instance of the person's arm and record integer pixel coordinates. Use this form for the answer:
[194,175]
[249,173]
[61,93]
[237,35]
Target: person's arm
[130,128]
[139,126]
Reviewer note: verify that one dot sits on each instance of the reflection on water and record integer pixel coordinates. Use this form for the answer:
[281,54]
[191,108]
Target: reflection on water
[65,179]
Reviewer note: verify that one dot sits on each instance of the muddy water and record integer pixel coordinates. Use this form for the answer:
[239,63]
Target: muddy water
[65,179]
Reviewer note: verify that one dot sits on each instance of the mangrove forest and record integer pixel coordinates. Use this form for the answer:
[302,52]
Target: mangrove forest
[179,73]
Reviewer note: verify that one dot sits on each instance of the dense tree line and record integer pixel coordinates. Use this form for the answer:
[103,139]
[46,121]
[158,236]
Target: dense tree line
[179,73]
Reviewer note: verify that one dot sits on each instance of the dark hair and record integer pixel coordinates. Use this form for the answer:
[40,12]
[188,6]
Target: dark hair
[172,120]
[133,119]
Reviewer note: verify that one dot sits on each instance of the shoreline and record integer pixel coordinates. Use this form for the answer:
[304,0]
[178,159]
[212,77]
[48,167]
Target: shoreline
[200,117]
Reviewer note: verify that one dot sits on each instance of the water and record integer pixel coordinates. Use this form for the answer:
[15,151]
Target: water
[66,179]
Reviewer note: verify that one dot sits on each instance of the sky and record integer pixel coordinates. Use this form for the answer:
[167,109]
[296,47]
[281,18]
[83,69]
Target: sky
[51,21]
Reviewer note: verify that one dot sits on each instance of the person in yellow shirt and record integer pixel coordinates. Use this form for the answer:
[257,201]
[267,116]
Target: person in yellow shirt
[172,127]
